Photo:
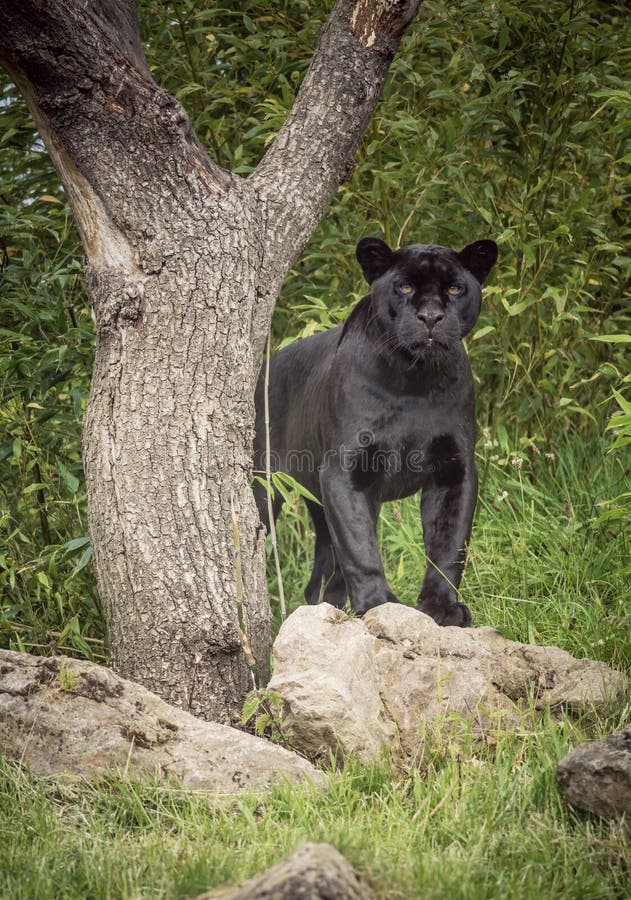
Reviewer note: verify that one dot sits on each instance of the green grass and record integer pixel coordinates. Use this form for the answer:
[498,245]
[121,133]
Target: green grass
[477,822]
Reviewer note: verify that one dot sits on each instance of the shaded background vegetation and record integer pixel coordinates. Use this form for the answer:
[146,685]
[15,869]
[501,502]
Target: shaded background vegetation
[507,120]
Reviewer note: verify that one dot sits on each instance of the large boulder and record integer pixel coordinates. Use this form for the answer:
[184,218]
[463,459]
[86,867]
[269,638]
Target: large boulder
[359,686]
[314,872]
[68,716]
[596,776]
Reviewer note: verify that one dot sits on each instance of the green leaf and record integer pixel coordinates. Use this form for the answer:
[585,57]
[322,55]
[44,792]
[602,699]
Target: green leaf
[72,482]
[42,577]
[250,707]
[76,543]
[261,723]
[84,559]
[481,332]
[502,438]
[37,486]
[286,483]
[612,338]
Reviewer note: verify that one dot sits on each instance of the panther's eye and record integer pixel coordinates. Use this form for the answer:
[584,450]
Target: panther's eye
[406,288]
[455,290]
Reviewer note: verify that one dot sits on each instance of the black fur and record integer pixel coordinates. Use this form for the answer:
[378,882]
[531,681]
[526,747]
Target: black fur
[376,410]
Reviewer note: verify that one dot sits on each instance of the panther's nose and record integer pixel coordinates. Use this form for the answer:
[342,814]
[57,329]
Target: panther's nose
[430,318]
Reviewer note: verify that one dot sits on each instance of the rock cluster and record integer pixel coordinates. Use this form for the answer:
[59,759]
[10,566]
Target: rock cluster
[359,686]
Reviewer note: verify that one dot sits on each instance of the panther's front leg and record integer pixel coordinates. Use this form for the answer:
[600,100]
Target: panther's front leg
[351,516]
[447,507]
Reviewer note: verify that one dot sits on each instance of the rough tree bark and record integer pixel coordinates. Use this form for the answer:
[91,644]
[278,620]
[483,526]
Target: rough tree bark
[183,265]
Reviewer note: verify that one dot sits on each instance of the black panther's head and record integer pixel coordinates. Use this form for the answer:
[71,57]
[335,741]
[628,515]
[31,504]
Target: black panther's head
[424,298]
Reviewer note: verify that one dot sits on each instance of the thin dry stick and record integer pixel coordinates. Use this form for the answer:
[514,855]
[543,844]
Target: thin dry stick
[245,643]
[268,479]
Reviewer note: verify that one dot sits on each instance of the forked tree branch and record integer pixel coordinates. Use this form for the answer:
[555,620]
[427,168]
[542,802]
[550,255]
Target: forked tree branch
[108,126]
[315,149]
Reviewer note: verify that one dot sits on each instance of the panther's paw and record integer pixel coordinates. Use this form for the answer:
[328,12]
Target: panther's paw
[446,614]
[361,607]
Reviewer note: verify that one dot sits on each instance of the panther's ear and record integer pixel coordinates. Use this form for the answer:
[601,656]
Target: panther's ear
[479,258]
[374,256]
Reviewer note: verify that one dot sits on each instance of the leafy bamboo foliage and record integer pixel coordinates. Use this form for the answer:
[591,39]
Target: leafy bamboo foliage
[46,349]
[499,119]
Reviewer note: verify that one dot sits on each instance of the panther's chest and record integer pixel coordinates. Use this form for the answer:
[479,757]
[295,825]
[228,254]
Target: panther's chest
[408,443]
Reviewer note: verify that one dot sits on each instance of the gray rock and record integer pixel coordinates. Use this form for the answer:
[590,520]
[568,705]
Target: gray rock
[68,716]
[359,686]
[596,776]
[314,872]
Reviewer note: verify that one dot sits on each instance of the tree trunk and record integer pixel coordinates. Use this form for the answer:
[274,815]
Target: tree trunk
[167,455]
[184,263]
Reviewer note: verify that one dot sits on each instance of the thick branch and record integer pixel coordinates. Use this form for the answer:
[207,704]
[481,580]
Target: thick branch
[107,125]
[315,149]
